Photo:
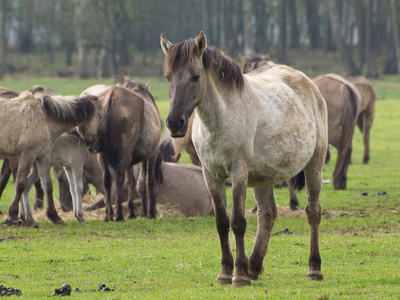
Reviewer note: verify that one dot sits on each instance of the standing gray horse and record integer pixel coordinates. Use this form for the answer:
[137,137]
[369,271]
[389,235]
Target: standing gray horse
[254,130]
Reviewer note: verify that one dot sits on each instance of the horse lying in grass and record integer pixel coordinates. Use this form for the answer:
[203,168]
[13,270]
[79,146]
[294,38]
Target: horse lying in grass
[42,119]
[182,187]
[255,130]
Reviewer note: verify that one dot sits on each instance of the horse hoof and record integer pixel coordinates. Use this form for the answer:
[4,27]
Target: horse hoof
[224,279]
[239,281]
[254,275]
[314,275]
[10,222]
[120,219]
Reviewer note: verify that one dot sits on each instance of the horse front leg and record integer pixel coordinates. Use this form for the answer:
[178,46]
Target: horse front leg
[266,214]
[43,167]
[216,189]
[238,223]
[76,189]
[24,167]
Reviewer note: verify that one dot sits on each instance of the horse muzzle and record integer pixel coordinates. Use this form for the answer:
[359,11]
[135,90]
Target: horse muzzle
[177,128]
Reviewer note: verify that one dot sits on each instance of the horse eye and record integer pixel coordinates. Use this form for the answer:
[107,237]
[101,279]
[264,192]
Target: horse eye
[196,78]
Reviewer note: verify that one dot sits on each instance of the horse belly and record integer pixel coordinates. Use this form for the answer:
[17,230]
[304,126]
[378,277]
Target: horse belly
[281,158]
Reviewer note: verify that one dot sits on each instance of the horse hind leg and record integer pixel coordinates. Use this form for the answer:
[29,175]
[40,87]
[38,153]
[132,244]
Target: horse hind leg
[266,214]
[25,213]
[131,193]
[313,173]
[43,167]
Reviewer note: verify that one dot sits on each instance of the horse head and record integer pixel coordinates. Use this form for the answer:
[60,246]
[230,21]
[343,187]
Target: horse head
[187,81]
[88,128]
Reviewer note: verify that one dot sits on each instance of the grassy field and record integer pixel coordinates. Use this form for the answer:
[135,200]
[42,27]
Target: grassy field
[179,258]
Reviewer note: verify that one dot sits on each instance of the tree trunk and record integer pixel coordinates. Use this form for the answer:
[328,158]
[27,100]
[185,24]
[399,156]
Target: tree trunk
[247,28]
[282,32]
[336,24]
[229,37]
[371,69]
[395,32]
[313,23]
[294,28]
[82,63]
[3,39]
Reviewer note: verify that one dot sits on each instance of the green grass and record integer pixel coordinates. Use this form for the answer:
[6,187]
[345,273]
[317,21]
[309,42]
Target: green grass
[175,258]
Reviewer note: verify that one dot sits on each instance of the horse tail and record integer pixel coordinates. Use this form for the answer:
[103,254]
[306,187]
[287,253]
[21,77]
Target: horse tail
[351,99]
[110,130]
[69,110]
[159,179]
[298,181]
[167,148]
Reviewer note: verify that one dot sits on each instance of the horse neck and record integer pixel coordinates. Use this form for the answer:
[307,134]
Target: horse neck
[213,108]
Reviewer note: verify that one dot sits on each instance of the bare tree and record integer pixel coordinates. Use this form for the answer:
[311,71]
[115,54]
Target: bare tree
[4,10]
[247,27]
[336,25]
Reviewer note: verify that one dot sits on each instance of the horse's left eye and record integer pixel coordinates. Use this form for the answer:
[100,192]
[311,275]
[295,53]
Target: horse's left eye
[195,78]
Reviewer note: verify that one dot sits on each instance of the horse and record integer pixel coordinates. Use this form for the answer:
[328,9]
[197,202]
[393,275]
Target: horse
[251,63]
[69,152]
[255,130]
[343,102]
[129,132]
[41,119]
[366,112]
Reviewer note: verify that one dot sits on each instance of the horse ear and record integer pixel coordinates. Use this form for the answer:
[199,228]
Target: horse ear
[201,43]
[165,44]
[147,85]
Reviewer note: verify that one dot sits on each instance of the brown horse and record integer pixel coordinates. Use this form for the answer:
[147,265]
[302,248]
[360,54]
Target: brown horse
[129,132]
[41,119]
[366,113]
[256,130]
[343,102]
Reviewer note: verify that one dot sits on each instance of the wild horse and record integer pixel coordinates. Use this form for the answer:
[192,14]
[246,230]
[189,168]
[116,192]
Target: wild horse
[255,130]
[41,119]
[129,132]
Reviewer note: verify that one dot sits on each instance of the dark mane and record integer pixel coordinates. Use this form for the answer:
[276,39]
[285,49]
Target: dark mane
[181,53]
[71,111]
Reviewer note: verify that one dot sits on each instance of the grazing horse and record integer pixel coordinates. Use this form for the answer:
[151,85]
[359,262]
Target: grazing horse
[129,132]
[343,102]
[367,109]
[41,119]
[255,130]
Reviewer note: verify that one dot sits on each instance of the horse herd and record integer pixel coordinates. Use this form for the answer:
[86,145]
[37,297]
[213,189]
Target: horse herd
[254,126]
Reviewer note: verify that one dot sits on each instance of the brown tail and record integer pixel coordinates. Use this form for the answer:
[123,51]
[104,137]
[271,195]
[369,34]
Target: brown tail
[109,127]
[352,100]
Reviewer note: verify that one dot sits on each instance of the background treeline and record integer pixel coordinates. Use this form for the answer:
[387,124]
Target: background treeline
[99,38]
